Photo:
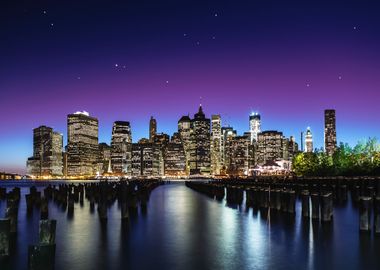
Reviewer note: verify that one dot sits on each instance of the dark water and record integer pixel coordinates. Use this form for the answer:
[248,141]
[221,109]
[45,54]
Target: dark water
[183,229]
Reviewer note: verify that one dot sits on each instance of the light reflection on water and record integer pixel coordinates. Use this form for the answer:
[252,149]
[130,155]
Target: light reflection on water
[183,229]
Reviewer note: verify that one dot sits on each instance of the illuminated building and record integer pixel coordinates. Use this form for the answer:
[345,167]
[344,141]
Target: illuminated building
[228,133]
[200,160]
[184,130]
[254,125]
[174,157]
[47,159]
[330,132]
[240,155]
[271,146]
[152,128]
[216,137]
[145,159]
[121,148]
[104,161]
[161,140]
[292,147]
[308,141]
[82,147]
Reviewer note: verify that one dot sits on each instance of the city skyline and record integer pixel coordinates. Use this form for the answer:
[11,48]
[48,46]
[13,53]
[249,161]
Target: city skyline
[319,145]
[128,62]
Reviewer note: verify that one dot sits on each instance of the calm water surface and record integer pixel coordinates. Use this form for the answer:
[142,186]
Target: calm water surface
[183,229]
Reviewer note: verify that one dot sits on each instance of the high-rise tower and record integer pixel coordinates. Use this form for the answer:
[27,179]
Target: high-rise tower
[330,132]
[200,161]
[309,141]
[216,135]
[121,148]
[152,128]
[254,125]
[82,146]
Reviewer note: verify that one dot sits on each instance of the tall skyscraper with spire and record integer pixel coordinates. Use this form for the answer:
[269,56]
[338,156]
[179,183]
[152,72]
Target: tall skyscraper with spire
[330,132]
[254,125]
[308,141]
[216,136]
[200,161]
[152,128]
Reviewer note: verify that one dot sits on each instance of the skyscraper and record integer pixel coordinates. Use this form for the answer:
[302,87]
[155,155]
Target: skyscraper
[271,146]
[200,160]
[184,130]
[240,155]
[308,141]
[174,157]
[216,136]
[82,146]
[228,133]
[121,148]
[152,128]
[145,159]
[330,132]
[254,125]
[47,159]
[104,159]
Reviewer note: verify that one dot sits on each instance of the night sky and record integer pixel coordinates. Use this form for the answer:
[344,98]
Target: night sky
[129,60]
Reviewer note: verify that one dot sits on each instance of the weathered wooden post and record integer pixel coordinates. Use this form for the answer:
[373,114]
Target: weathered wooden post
[277,199]
[305,204]
[315,205]
[5,231]
[44,208]
[365,214]
[12,213]
[47,232]
[292,202]
[327,207]
[377,215]
[29,202]
[42,256]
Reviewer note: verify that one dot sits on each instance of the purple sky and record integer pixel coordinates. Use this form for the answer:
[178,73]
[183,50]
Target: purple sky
[288,61]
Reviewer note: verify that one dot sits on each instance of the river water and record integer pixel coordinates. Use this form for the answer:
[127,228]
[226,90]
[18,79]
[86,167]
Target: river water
[183,229]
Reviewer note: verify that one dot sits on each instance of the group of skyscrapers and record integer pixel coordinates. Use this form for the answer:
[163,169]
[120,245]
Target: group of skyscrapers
[200,148]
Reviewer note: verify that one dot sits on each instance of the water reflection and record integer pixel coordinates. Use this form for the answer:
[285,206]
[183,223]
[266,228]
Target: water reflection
[182,229]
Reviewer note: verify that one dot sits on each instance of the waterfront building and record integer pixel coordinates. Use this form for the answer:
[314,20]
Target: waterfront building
[228,133]
[292,147]
[121,148]
[152,128]
[104,161]
[82,146]
[216,137]
[175,158]
[47,159]
[330,132]
[184,131]
[161,140]
[271,146]
[200,161]
[241,155]
[308,141]
[146,157]
[254,125]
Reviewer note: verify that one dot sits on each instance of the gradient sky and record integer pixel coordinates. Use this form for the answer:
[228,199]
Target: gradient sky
[129,60]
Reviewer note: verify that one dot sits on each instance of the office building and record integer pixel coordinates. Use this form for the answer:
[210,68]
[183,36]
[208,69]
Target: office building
[82,146]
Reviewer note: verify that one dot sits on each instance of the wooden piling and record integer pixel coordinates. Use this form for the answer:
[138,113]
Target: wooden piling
[365,214]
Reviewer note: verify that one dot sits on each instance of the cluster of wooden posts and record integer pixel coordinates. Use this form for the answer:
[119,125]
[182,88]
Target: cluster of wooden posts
[317,196]
[129,195]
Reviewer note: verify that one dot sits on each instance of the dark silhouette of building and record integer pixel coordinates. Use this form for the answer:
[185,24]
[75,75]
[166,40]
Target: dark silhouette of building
[330,132]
